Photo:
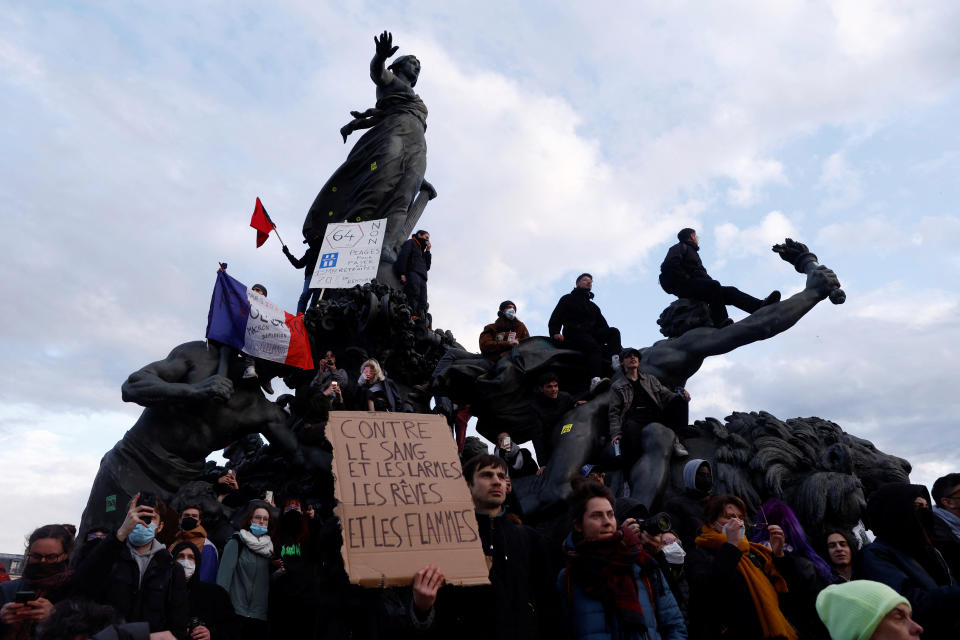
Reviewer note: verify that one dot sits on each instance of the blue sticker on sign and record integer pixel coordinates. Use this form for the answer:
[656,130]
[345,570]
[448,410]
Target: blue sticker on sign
[328,260]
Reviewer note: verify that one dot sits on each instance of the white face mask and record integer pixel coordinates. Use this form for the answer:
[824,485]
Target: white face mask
[189,566]
[674,553]
[510,314]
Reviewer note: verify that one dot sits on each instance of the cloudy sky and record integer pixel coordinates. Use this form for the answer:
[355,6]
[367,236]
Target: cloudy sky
[561,139]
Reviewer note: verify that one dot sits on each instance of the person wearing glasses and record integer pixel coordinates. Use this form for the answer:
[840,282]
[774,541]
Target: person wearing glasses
[29,600]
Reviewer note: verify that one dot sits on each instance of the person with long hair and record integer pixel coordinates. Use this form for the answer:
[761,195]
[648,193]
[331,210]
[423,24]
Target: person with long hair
[611,587]
[245,570]
[45,575]
[813,572]
[375,392]
[211,615]
[738,589]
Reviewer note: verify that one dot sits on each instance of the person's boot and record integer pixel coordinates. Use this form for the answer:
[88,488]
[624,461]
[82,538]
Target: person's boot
[726,322]
[773,298]
[266,386]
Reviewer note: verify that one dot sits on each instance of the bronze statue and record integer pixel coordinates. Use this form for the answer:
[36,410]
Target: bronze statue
[383,175]
[191,410]
[673,361]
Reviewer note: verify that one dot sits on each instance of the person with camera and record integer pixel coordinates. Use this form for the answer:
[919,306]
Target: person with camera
[27,601]
[134,573]
[611,586]
[330,380]
[211,615]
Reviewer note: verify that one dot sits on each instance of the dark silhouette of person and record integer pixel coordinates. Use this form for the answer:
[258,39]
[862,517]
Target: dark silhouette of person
[683,275]
[578,323]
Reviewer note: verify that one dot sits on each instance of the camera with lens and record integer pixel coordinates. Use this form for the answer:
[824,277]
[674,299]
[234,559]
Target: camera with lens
[657,524]
[193,623]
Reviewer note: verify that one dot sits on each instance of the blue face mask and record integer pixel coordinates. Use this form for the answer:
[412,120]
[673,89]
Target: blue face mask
[142,535]
[258,529]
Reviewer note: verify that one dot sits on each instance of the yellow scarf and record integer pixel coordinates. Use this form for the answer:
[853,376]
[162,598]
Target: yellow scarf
[763,585]
[197,536]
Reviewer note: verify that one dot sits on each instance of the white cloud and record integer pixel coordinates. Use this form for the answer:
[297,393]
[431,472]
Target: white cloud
[841,182]
[757,240]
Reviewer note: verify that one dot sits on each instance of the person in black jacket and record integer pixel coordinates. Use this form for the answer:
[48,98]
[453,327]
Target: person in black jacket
[308,263]
[521,601]
[411,267]
[683,275]
[903,557]
[946,522]
[550,403]
[135,574]
[211,615]
[577,322]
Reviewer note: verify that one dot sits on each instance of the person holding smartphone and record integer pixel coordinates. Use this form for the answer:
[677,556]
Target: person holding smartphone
[134,573]
[29,600]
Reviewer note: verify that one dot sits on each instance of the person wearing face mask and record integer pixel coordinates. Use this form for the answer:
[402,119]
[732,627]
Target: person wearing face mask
[45,577]
[498,338]
[686,509]
[135,574]
[904,558]
[245,570]
[211,615]
[294,589]
[738,589]
[191,531]
[673,556]
[611,586]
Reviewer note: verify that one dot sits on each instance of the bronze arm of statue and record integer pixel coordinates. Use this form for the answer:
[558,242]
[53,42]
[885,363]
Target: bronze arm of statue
[162,381]
[675,360]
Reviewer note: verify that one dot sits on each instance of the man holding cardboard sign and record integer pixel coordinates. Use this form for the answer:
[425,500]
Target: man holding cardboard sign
[520,601]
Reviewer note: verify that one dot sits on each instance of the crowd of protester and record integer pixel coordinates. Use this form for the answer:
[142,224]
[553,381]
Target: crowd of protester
[702,567]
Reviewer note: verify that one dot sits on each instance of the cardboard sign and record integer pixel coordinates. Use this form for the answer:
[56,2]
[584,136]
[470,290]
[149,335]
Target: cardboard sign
[349,255]
[403,502]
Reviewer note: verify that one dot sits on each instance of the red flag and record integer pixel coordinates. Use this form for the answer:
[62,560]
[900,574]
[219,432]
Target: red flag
[262,223]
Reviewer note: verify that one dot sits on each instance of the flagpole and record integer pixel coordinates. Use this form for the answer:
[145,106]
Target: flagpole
[278,235]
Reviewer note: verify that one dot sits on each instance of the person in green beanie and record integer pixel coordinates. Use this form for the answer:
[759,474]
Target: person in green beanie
[866,610]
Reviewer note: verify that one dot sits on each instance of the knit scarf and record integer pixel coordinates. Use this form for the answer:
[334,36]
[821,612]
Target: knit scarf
[603,569]
[262,546]
[197,536]
[49,588]
[763,584]
[952,521]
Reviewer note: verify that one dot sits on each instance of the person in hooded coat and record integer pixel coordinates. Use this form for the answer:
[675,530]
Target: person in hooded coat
[209,610]
[686,509]
[904,558]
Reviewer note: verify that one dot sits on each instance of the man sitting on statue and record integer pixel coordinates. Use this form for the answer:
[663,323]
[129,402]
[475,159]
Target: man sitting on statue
[683,275]
[411,267]
[638,399]
[499,338]
[550,403]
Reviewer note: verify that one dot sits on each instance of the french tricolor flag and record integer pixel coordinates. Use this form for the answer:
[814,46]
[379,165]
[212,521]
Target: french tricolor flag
[246,320]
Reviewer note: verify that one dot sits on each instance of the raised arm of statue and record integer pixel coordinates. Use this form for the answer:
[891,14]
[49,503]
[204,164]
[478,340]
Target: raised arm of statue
[166,381]
[762,324]
[380,75]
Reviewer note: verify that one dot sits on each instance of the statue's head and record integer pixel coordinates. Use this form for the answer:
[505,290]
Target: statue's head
[407,67]
[682,315]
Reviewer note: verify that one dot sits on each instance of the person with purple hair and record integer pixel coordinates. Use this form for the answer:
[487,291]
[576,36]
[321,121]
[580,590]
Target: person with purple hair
[813,572]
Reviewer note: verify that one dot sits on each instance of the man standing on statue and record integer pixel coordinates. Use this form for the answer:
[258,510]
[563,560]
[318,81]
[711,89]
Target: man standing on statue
[578,323]
[411,267]
[683,275]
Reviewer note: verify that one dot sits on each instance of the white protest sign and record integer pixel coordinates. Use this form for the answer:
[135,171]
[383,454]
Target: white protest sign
[349,255]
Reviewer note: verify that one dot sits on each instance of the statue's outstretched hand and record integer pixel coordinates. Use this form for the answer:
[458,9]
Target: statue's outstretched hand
[823,281]
[216,386]
[385,47]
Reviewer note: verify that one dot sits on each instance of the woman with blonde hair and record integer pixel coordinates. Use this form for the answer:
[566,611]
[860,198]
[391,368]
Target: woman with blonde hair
[374,388]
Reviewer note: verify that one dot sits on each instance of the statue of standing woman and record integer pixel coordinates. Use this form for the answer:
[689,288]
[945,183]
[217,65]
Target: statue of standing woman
[384,171]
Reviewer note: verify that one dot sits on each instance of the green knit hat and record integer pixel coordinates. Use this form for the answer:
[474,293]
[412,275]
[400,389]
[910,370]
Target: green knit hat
[852,610]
